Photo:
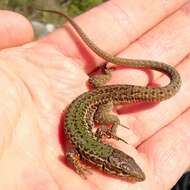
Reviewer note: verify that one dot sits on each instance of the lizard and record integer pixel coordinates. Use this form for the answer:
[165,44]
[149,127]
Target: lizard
[93,107]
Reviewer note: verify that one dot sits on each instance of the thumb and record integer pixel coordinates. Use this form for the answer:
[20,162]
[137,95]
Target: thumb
[15,29]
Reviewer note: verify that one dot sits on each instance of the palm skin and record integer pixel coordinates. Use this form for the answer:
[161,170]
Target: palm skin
[39,80]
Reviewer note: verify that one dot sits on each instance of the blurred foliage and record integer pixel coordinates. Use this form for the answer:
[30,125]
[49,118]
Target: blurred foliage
[70,7]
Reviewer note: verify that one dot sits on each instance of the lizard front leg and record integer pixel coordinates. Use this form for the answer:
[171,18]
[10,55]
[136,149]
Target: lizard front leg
[73,158]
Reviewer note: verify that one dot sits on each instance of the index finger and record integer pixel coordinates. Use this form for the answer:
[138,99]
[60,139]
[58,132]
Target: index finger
[112,26]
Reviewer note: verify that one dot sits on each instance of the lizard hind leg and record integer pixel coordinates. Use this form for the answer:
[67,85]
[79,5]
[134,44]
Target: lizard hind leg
[73,158]
[99,80]
[104,118]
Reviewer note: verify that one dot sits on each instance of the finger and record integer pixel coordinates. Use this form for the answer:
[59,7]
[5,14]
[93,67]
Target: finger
[169,42]
[112,26]
[168,151]
[14,29]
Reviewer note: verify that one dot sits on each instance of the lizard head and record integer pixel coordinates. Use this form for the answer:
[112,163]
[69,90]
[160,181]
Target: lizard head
[122,165]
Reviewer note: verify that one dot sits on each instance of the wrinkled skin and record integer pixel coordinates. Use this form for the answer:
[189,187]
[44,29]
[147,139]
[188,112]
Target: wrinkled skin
[39,79]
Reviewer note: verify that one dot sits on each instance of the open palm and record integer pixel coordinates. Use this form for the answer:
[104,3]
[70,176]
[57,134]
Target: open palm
[39,80]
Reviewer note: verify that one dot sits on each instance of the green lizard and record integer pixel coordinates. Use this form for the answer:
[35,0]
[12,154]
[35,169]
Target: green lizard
[94,107]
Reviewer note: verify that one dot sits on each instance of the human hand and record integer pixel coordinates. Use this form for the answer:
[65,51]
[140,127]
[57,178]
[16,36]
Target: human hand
[38,80]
